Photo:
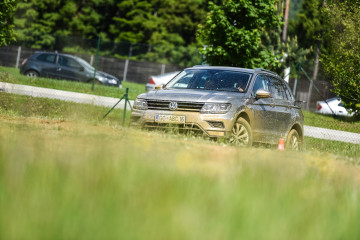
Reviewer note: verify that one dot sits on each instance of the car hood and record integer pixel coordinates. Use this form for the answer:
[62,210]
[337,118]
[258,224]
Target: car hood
[192,95]
[105,75]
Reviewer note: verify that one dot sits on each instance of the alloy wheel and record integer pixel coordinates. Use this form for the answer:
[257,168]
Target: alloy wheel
[239,135]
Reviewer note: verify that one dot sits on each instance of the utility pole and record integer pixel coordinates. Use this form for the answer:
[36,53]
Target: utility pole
[284,33]
[286,17]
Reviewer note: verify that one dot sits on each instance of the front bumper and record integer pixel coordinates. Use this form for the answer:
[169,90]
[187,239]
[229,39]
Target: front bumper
[213,125]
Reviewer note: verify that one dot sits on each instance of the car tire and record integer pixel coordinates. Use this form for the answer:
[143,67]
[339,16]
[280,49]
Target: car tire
[241,133]
[96,81]
[293,141]
[32,73]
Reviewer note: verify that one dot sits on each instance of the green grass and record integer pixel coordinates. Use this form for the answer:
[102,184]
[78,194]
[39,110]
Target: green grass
[349,150]
[30,107]
[12,75]
[325,121]
[25,106]
[66,175]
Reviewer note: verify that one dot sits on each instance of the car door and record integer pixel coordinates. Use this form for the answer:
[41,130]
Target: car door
[69,68]
[47,63]
[263,111]
[282,107]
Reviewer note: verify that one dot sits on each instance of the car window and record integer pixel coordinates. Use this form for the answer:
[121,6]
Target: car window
[211,79]
[288,92]
[47,57]
[277,88]
[261,83]
[68,62]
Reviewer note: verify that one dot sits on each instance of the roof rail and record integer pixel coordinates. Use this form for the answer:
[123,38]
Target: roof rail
[202,65]
[265,70]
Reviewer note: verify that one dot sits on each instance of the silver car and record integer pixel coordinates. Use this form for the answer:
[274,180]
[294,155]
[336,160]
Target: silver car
[332,106]
[241,105]
[159,79]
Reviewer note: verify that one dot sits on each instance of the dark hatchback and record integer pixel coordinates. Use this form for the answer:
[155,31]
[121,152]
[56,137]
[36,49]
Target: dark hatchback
[64,66]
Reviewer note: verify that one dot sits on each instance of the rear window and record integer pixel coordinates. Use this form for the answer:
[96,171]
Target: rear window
[211,79]
[47,57]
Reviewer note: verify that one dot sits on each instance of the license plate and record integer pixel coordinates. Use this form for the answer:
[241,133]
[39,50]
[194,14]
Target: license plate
[169,119]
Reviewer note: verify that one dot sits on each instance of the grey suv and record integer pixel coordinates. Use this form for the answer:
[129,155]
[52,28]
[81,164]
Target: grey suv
[242,105]
[64,66]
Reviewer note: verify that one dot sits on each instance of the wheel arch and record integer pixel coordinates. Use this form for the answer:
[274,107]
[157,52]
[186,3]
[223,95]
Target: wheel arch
[299,129]
[244,115]
[32,69]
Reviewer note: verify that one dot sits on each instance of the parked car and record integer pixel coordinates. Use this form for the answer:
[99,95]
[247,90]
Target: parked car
[64,66]
[242,105]
[159,80]
[332,106]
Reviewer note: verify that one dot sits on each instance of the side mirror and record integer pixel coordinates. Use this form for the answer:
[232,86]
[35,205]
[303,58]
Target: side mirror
[262,94]
[158,87]
[299,103]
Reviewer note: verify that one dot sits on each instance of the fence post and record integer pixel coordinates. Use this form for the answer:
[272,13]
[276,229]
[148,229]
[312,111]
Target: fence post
[163,68]
[18,57]
[125,69]
[298,66]
[96,60]
[127,63]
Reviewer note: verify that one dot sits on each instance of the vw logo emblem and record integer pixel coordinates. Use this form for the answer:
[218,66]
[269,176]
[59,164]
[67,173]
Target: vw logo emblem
[173,106]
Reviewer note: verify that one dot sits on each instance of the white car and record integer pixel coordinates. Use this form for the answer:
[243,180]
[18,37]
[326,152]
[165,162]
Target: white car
[337,107]
[160,79]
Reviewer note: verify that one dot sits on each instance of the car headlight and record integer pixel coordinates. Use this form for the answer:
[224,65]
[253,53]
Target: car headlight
[112,81]
[140,104]
[216,108]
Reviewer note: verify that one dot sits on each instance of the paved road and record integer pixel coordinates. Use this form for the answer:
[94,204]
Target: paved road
[329,134]
[315,132]
[62,95]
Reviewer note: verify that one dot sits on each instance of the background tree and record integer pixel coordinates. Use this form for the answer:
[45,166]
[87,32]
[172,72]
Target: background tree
[39,23]
[308,27]
[159,30]
[341,53]
[233,32]
[168,26]
[6,22]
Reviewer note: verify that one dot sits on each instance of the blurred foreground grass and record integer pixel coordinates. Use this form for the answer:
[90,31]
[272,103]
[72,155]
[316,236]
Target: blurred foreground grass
[66,175]
[82,180]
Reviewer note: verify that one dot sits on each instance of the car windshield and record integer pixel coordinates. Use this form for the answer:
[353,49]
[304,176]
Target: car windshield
[85,63]
[211,79]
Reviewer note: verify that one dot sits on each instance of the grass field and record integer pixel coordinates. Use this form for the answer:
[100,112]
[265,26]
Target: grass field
[12,75]
[64,174]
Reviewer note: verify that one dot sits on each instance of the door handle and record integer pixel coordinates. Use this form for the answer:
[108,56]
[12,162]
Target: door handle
[58,69]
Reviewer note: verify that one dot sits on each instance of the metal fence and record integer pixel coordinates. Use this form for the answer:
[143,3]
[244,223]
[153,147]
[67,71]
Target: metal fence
[140,71]
[128,70]
[109,102]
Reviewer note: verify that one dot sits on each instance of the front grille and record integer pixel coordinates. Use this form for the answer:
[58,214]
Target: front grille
[181,128]
[182,106]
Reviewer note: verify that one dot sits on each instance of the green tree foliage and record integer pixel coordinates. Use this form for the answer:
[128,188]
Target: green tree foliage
[308,25]
[169,26]
[39,22]
[341,53]
[7,8]
[233,33]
